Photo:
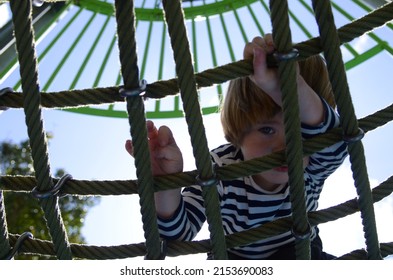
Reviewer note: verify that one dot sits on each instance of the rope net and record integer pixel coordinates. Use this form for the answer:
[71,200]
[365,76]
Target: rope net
[32,100]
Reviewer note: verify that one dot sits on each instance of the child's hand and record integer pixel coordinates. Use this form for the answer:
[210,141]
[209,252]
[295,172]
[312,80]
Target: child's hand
[166,157]
[264,77]
[310,104]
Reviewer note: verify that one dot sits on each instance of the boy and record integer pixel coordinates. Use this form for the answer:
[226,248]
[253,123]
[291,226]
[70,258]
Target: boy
[252,120]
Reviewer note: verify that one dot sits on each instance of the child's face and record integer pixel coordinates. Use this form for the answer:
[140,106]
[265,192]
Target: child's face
[265,138]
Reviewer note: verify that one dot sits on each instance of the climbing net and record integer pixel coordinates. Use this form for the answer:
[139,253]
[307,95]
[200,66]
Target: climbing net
[48,189]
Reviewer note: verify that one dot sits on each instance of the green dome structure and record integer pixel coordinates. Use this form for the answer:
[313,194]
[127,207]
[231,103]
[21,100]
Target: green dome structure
[93,57]
[77,49]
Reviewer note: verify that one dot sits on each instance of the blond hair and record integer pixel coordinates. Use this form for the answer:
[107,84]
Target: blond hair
[246,104]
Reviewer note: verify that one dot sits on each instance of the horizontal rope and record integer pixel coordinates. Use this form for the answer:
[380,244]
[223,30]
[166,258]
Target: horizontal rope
[361,254]
[105,95]
[207,78]
[119,187]
[330,214]
[76,98]
[176,248]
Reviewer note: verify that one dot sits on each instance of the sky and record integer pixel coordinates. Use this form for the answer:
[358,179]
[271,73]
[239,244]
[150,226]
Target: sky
[92,148]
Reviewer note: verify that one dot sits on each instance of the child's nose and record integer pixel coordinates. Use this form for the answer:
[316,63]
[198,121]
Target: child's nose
[279,145]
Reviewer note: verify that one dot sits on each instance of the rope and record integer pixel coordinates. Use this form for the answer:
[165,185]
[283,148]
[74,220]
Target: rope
[188,91]
[5,247]
[119,187]
[290,106]
[350,31]
[125,17]
[126,187]
[221,74]
[31,99]
[332,52]
[386,249]
[176,248]
[21,11]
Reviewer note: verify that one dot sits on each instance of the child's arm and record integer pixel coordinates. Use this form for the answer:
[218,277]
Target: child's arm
[310,105]
[166,158]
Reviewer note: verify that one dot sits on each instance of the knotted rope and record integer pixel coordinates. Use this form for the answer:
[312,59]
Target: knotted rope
[349,123]
[32,105]
[32,100]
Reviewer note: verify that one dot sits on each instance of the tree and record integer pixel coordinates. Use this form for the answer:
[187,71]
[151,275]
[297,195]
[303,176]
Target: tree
[24,212]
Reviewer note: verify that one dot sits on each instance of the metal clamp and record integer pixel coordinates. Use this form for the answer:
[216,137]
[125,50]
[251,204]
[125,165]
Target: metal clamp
[354,138]
[207,183]
[275,58]
[134,92]
[38,3]
[18,245]
[52,192]
[302,235]
[286,56]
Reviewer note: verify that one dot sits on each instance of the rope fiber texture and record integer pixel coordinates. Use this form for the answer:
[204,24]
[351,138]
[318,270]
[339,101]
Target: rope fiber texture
[187,83]
[294,152]
[125,17]
[24,36]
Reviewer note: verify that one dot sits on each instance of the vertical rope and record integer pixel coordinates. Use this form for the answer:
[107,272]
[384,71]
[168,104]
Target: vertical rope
[125,17]
[4,240]
[331,46]
[188,91]
[32,106]
[290,106]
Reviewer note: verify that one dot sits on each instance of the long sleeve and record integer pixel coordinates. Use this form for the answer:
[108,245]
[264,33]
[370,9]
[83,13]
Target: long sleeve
[326,161]
[323,163]
[188,218]
[245,206]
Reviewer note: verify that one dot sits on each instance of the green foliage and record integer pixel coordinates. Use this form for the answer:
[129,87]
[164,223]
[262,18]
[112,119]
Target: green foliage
[23,211]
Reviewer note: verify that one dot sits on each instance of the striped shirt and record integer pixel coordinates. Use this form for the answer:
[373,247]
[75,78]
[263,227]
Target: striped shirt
[244,205]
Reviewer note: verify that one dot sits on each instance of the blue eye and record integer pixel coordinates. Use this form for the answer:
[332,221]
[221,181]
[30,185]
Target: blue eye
[266,130]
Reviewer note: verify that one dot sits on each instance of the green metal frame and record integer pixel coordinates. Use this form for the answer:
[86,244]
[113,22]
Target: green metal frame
[200,14]
[156,14]
[42,21]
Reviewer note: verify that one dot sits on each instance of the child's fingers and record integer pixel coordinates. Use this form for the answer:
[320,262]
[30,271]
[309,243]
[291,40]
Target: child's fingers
[129,147]
[269,43]
[248,51]
[152,131]
[152,134]
[260,42]
[161,142]
[256,50]
[259,61]
[265,43]
[165,136]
